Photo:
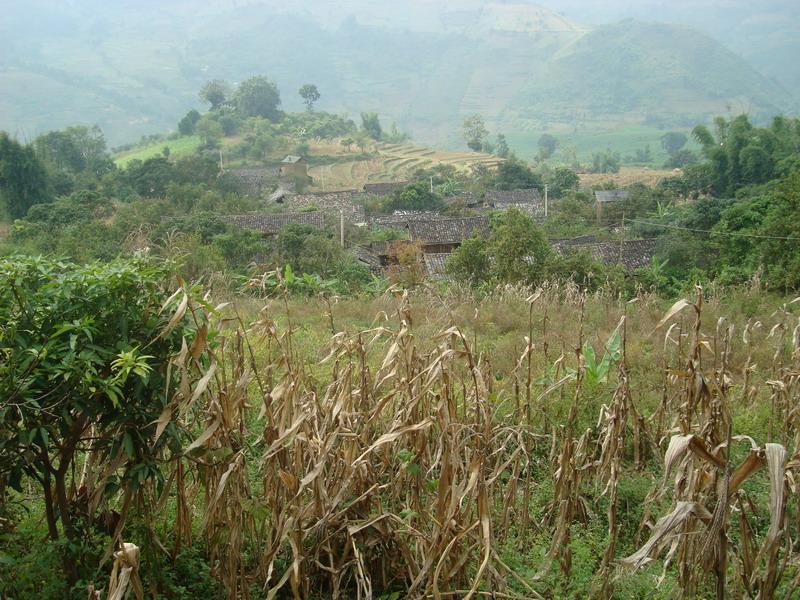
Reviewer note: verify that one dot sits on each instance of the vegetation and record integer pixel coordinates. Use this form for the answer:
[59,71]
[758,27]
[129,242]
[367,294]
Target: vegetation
[218,413]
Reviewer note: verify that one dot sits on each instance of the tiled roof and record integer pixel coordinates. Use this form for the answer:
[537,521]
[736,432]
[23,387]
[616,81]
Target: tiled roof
[435,265]
[331,202]
[367,256]
[448,231]
[497,197]
[385,187]
[630,254]
[272,223]
[604,196]
[400,218]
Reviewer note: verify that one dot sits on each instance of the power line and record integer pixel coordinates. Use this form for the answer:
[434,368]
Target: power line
[729,233]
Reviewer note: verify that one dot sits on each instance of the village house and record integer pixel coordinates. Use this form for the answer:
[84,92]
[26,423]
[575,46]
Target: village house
[294,166]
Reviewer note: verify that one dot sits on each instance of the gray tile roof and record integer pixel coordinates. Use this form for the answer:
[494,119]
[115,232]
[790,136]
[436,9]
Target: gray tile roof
[384,188]
[435,265]
[331,202]
[291,160]
[448,230]
[630,254]
[400,218]
[272,223]
[529,196]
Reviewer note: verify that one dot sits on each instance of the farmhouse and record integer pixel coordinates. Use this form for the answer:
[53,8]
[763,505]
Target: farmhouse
[254,181]
[294,166]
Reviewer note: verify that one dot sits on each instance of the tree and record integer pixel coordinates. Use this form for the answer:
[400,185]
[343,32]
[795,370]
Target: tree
[75,150]
[188,122]
[215,92]
[470,262]
[416,196]
[258,97]
[475,132]
[371,125]
[23,178]
[513,174]
[547,145]
[518,248]
[673,142]
[501,147]
[86,364]
[209,129]
[310,95]
[605,162]
[563,179]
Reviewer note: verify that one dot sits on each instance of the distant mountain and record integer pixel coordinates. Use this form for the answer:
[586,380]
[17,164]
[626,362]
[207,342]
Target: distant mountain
[135,67]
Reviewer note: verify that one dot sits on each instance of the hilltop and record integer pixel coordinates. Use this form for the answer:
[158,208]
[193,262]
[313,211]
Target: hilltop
[525,68]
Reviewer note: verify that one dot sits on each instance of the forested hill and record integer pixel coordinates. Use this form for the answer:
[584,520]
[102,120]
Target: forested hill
[423,65]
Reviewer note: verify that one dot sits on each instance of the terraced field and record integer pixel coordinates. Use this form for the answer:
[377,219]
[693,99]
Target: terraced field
[395,162]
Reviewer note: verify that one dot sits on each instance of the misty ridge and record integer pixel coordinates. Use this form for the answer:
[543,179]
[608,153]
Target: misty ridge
[558,67]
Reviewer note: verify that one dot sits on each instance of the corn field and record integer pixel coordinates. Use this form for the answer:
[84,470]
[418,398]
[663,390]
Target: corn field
[412,459]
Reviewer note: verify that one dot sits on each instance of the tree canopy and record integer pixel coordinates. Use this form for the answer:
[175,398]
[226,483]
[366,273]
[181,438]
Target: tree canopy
[258,97]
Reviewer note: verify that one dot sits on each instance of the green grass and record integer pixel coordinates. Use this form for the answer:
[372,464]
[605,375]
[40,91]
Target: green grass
[180,147]
[622,138]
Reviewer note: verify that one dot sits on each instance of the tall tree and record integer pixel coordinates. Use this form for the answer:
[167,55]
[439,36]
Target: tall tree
[518,248]
[371,124]
[258,97]
[673,142]
[23,178]
[310,95]
[475,132]
[215,92]
[547,145]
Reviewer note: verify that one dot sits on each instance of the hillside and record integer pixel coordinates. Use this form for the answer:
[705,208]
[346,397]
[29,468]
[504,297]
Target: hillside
[527,69]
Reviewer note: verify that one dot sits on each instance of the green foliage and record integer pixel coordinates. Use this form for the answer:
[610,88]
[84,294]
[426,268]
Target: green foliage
[371,125]
[470,262]
[597,372]
[547,145]
[518,248]
[673,142]
[23,179]
[475,132]
[209,129]
[605,162]
[258,97]
[85,347]
[310,95]
[513,174]
[186,125]
[416,196]
[561,181]
[215,92]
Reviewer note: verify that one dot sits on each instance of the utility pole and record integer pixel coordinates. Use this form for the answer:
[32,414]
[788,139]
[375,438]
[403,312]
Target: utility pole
[322,174]
[431,185]
[341,226]
[545,200]
[621,238]
[221,164]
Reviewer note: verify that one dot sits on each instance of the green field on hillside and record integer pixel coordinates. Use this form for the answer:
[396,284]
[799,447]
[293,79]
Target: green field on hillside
[179,147]
[625,139]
